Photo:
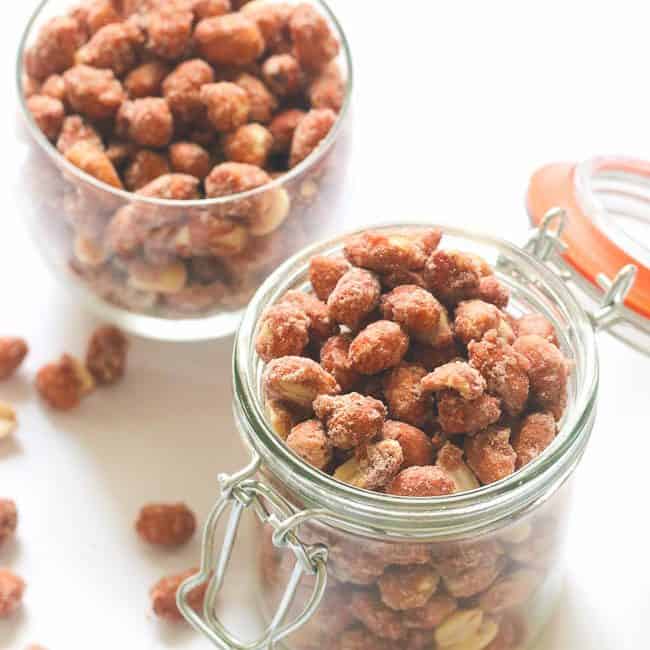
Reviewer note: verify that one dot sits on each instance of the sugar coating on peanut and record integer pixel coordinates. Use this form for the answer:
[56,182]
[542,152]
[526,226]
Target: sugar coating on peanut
[405,398]
[166,524]
[13,351]
[457,376]
[12,588]
[355,295]
[425,481]
[334,357]
[63,383]
[283,331]
[8,520]
[163,596]
[416,446]
[404,588]
[310,441]
[309,133]
[490,454]
[381,345]
[536,432]
[106,354]
[375,468]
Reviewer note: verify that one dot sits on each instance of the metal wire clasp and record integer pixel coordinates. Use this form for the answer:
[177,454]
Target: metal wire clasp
[239,492]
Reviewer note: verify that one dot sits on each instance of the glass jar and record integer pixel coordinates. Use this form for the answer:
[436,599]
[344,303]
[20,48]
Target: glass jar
[180,296]
[347,568]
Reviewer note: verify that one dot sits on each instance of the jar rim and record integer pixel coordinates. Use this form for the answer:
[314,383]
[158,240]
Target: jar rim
[417,516]
[309,162]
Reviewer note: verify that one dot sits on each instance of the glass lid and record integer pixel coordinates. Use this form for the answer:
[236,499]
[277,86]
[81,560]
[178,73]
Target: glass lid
[606,230]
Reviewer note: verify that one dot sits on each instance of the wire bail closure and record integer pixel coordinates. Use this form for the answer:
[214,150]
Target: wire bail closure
[239,492]
[546,245]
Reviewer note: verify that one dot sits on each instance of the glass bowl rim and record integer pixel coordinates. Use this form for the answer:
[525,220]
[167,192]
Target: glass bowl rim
[502,498]
[310,161]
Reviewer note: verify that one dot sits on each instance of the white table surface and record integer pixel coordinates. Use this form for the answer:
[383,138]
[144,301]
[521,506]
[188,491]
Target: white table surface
[454,109]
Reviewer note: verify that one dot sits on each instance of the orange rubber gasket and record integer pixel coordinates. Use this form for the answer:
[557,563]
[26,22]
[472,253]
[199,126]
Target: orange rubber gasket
[589,250]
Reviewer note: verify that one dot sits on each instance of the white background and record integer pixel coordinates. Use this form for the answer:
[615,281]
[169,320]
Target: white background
[456,103]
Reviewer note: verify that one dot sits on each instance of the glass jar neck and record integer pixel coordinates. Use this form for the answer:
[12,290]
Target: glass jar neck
[437,517]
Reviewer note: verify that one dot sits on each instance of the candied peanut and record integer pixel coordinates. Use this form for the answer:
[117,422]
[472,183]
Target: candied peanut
[96,14]
[381,345]
[473,581]
[424,481]
[490,455]
[106,355]
[145,167]
[93,161]
[272,19]
[536,324]
[209,8]
[382,252]
[55,47]
[227,104]
[189,158]
[309,133]
[314,43]
[114,46]
[75,130]
[431,614]
[12,352]
[206,234]
[454,558]
[453,276]
[473,318]
[48,113]
[321,326]
[168,278]
[504,369]
[325,272]
[63,383]
[8,519]
[54,87]
[146,80]
[147,121]
[196,297]
[359,638]
[89,251]
[458,627]
[182,89]
[548,372]
[229,39]
[417,311]
[309,440]
[166,524]
[416,445]
[169,31]
[12,589]
[281,417]
[492,291]
[233,178]
[411,587]
[250,143]
[458,376]
[381,462]
[282,128]
[8,420]
[95,93]
[508,636]
[352,419]
[297,381]
[262,103]
[334,358]
[327,90]
[510,591]
[382,621]
[176,187]
[269,219]
[163,596]
[450,459]
[457,415]
[406,401]
[534,435]
[282,74]
[486,633]
[30,86]
[354,297]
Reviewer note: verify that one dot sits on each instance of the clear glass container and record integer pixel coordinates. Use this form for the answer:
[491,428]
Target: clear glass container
[67,212]
[347,568]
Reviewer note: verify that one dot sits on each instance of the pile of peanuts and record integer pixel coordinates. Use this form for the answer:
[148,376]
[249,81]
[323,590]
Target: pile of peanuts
[402,372]
[62,384]
[184,100]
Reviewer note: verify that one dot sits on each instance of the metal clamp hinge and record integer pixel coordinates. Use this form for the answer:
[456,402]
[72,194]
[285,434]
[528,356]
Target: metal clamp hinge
[239,492]
[610,310]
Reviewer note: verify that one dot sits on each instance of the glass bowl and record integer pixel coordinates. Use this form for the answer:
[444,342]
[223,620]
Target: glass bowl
[184,298]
